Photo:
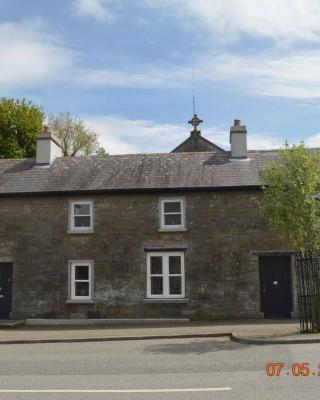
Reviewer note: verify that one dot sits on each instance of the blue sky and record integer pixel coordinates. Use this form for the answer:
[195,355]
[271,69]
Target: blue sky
[124,66]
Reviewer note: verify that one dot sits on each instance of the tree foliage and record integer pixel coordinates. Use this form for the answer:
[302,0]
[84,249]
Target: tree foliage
[75,137]
[20,122]
[289,203]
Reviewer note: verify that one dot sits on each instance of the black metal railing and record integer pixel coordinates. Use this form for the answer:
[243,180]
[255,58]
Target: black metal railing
[308,284]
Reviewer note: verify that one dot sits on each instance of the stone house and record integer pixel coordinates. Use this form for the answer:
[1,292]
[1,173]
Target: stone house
[141,235]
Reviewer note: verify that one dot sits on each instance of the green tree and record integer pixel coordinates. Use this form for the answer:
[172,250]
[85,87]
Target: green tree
[289,203]
[20,122]
[75,137]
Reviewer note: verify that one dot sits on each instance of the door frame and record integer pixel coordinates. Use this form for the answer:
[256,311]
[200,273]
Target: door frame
[273,254]
[10,265]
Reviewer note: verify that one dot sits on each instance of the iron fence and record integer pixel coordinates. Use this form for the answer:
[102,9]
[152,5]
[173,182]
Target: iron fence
[308,284]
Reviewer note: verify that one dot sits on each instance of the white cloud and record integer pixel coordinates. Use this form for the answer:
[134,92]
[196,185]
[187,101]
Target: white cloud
[145,77]
[285,20]
[29,55]
[120,136]
[281,72]
[292,75]
[92,8]
[313,141]
[264,141]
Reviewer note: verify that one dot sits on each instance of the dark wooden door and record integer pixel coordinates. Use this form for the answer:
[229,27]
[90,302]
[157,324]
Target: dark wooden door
[275,286]
[5,290]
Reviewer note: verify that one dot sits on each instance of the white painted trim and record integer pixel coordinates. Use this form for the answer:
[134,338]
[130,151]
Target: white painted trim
[85,301]
[6,259]
[164,227]
[173,230]
[235,159]
[165,301]
[77,229]
[71,284]
[165,274]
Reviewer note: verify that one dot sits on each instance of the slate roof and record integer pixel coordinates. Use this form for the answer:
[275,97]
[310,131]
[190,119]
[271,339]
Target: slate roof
[136,172]
[197,143]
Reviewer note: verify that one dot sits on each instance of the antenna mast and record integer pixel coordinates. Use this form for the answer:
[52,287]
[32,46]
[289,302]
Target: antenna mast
[193,97]
[195,121]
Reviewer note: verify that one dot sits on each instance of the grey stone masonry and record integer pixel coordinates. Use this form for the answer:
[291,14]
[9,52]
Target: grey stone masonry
[223,229]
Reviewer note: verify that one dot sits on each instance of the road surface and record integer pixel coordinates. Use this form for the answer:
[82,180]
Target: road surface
[197,369]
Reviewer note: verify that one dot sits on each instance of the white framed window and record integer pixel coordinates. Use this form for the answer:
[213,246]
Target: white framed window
[172,214]
[81,216]
[81,280]
[165,275]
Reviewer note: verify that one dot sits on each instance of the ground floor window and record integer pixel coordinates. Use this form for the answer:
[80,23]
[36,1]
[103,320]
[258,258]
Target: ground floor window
[81,276]
[165,275]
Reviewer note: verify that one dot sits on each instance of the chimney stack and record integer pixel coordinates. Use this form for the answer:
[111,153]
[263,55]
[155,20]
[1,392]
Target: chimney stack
[48,147]
[238,140]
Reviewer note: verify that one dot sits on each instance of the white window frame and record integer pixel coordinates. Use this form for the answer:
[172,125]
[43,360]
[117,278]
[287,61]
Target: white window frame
[80,229]
[72,280]
[165,275]
[165,227]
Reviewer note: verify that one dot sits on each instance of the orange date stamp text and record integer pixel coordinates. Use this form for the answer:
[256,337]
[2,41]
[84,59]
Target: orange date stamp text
[302,369]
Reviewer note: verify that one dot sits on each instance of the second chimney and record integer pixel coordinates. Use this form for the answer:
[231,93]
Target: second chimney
[48,147]
[238,140]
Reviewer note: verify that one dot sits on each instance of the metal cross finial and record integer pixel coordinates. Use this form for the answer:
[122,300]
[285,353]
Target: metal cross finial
[195,122]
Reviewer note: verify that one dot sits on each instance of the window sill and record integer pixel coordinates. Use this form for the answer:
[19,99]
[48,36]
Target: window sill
[84,232]
[169,301]
[172,230]
[80,301]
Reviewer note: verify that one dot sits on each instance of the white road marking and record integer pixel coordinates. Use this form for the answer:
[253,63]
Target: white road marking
[113,390]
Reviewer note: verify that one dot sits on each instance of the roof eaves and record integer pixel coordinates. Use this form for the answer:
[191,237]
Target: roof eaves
[132,190]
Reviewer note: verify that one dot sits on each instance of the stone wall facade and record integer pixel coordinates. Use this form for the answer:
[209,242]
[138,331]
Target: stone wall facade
[224,230]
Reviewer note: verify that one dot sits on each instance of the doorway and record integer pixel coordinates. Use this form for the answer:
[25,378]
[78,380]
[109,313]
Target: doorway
[275,286]
[5,290]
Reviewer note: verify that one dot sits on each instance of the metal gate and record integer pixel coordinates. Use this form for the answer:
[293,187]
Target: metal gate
[308,284]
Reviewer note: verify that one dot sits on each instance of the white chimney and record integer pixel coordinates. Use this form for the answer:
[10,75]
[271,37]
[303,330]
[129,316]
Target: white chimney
[238,140]
[48,147]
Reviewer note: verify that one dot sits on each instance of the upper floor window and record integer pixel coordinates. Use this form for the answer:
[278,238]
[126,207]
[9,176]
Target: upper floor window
[172,214]
[165,275]
[81,216]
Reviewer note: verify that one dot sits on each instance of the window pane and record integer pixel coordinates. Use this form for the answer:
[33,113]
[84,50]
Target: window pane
[174,265]
[172,219]
[156,265]
[81,209]
[82,273]
[156,285]
[175,285]
[83,222]
[82,288]
[172,206]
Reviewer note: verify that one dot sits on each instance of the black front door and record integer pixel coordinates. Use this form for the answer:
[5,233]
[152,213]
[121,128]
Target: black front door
[275,286]
[5,290]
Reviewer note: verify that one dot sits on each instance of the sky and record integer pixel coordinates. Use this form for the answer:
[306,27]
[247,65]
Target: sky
[125,67]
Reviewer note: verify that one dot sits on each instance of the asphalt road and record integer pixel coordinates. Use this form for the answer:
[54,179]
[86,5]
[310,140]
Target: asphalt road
[156,369]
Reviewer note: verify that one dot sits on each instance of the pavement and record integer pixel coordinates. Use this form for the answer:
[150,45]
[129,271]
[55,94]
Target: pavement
[257,332]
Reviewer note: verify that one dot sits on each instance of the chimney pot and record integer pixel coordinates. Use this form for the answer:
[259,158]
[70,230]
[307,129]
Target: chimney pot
[237,122]
[47,129]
